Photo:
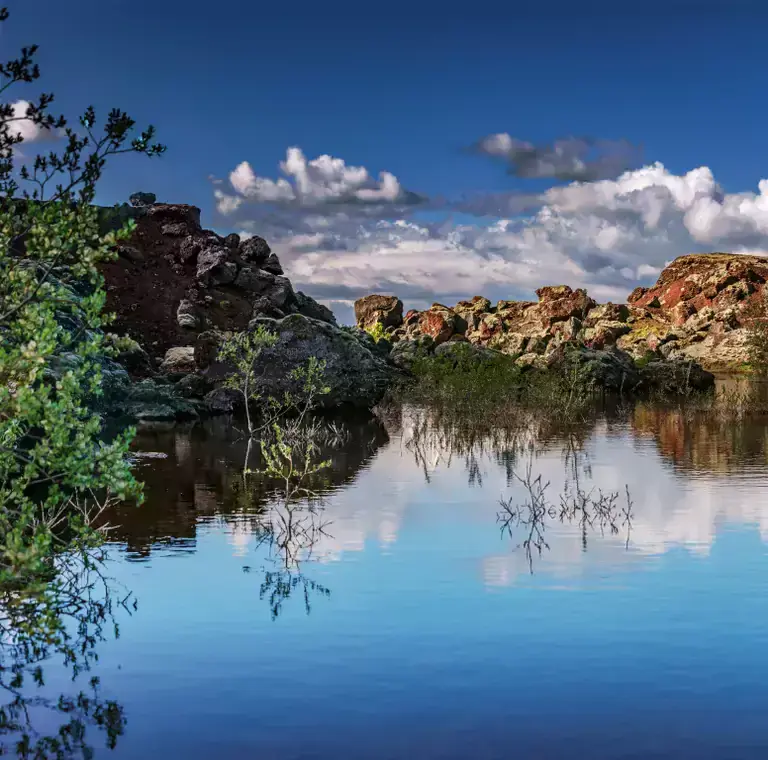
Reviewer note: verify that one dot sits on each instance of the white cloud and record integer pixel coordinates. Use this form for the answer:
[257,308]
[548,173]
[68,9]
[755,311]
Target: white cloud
[322,180]
[28,130]
[608,236]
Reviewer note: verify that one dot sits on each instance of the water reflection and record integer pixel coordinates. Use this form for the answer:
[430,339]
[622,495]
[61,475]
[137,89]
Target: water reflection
[593,512]
[671,459]
[193,477]
[59,625]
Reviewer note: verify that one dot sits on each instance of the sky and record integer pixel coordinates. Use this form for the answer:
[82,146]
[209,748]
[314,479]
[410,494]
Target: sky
[431,153]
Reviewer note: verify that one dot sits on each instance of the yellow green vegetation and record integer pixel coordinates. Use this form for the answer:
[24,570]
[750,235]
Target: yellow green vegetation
[376,331]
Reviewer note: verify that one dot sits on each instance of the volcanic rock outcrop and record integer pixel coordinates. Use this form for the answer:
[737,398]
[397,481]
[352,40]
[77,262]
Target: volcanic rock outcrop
[173,280]
[700,309]
[178,290]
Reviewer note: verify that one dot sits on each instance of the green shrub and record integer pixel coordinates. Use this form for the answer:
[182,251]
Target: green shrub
[376,331]
[57,473]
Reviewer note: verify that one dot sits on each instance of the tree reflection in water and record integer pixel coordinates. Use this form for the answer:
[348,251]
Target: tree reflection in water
[592,511]
[436,438]
[288,534]
[66,618]
[291,523]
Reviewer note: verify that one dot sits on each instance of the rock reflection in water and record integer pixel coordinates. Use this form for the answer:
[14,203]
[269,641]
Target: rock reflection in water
[198,480]
[196,484]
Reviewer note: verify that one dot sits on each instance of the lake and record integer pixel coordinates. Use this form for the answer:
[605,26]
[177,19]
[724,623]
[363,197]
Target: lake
[597,591]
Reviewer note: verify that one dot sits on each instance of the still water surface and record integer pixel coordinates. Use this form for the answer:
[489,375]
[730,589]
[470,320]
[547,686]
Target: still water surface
[417,626]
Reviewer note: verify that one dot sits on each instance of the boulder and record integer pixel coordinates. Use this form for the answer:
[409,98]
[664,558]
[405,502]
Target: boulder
[150,401]
[272,264]
[254,280]
[142,199]
[193,386]
[214,265]
[405,353]
[187,315]
[168,213]
[254,250]
[223,401]
[676,377]
[386,311]
[440,323]
[307,306]
[356,376]
[179,360]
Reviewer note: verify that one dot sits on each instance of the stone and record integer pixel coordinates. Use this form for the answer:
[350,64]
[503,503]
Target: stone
[179,360]
[307,306]
[214,265]
[356,376]
[162,213]
[142,199]
[254,280]
[187,315]
[512,344]
[604,334]
[531,361]
[281,293]
[676,377]
[223,401]
[150,401]
[232,240]
[373,310]
[607,312]
[406,353]
[189,249]
[193,386]
[175,229]
[272,265]
[254,250]
[263,307]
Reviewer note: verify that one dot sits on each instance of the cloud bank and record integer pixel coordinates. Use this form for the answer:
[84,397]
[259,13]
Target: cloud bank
[340,234]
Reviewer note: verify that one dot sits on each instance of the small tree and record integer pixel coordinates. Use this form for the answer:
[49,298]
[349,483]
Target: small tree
[56,472]
[241,351]
[281,417]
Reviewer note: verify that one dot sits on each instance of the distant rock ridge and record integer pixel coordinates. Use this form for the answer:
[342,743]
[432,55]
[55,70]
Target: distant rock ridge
[698,310]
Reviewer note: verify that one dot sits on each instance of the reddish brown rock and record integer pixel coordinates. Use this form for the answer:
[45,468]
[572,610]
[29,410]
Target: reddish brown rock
[386,311]
[175,277]
[438,324]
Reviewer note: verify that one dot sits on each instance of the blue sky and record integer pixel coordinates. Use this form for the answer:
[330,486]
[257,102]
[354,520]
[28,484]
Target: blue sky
[405,89]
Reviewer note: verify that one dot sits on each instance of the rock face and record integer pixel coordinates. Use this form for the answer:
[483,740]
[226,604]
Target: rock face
[698,310]
[356,375]
[173,279]
[386,311]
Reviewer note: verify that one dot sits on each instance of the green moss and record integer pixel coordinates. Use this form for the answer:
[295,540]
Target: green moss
[645,327]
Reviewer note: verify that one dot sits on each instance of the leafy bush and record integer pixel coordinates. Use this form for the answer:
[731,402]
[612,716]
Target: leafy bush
[376,331]
[57,474]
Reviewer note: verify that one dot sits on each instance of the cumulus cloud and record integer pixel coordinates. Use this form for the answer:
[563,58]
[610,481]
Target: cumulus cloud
[572,158]
[608,236]
[25,127]
[319,182]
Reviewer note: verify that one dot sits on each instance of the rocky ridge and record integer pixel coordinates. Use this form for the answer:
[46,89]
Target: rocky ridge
[178,290]
[699,310]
